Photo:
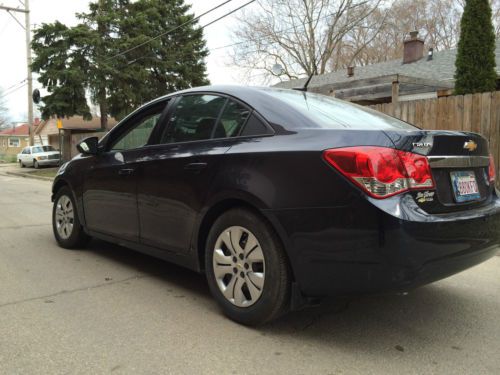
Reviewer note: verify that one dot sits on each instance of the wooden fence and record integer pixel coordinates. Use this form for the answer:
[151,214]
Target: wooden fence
[479,113]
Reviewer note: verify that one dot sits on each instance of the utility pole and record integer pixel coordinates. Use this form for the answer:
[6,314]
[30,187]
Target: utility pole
[30,77]
[27,28]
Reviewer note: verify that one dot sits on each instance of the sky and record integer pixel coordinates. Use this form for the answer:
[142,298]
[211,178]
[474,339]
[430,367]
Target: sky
[13,57]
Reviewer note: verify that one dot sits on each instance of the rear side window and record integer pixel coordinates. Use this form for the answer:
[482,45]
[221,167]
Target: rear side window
[255,127]
[193,118]
[232,120]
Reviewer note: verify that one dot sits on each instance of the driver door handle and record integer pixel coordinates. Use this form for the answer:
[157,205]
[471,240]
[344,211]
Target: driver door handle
[195,166]
[126,171]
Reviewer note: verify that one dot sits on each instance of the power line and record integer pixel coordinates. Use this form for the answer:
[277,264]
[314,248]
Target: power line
[281,32]
[8,88]
[170,31]
[228,14]
[13,91]
[201,27]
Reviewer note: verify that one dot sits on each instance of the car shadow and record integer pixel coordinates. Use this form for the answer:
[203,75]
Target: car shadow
[369,323]
[192,282]
[427,319]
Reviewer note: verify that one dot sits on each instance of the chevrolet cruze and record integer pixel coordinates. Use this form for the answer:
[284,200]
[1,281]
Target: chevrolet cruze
[283,197]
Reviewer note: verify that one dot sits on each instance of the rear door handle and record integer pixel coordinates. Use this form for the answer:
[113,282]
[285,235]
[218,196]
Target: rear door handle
[195,166]
[126,171]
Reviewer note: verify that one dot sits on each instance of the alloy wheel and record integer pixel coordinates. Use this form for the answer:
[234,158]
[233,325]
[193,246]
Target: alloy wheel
[64,217]
[239,266]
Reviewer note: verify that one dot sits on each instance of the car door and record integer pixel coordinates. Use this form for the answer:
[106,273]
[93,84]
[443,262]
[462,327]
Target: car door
[22,155]
[177,177]
[27,159]
[110,184]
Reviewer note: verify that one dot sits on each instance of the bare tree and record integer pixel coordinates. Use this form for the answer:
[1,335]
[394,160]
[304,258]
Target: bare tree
[495,7]
[438,23]
[300,35]
[306,36]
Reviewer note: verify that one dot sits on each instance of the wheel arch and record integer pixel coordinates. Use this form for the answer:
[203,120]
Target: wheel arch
[218,208]
[58,184]
[61,182]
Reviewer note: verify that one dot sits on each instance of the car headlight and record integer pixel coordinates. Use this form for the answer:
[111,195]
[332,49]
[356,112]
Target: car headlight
[41,157]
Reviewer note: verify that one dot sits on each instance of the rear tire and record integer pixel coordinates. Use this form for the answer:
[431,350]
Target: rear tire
[246,268]
[21,165]
[66,225]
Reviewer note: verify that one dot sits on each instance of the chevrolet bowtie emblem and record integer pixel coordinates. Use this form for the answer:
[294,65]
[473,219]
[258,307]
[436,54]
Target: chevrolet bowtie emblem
[470,145]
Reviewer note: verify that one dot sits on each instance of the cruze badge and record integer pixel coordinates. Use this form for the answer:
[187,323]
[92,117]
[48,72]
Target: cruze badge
[422,144]
[470,145]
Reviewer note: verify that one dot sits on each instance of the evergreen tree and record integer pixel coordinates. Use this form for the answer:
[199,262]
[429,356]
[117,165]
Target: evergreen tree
[87,60]
[475,61]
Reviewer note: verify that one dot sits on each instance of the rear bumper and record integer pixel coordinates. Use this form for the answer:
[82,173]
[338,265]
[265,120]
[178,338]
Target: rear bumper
[383,246]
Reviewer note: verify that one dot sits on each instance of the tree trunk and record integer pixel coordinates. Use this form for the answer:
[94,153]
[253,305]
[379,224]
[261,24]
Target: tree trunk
[101,96]
[103,109]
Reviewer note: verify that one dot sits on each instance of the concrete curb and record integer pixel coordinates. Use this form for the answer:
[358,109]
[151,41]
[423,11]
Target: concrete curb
[27,175]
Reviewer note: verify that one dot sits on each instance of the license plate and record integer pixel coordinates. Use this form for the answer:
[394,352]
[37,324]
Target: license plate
[464,186]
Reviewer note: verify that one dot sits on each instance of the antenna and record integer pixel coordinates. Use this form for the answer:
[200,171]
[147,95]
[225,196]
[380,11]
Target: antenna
[304,88]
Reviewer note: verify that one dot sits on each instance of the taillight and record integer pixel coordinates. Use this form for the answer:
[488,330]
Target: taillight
[381,171]
[491,170]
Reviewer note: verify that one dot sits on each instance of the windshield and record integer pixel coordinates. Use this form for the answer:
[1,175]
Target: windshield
[37,149]
[333,113]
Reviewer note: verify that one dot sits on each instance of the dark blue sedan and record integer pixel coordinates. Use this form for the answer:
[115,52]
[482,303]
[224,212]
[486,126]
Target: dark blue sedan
[283,197]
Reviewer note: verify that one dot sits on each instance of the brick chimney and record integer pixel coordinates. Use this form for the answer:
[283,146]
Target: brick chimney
[413,48]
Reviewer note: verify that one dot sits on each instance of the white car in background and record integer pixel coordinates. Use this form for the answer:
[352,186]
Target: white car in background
[37,156]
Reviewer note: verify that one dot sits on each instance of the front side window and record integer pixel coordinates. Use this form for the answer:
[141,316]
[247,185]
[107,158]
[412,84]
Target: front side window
[37,149]
[194,118]
[232,120]
[138,135]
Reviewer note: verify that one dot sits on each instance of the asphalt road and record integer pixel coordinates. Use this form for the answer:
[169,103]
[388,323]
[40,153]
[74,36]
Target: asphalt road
[109,310]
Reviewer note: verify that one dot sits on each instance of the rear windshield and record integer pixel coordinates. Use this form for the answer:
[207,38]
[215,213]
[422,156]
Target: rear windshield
[331,113]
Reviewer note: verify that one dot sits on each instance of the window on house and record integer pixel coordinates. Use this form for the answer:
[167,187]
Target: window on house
[14,142]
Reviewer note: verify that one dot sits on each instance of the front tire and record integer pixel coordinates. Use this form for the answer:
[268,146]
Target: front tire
[66,225]
[246,268]
[35,164]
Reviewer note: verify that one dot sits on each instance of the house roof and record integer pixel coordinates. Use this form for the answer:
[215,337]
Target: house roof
[440,69]
[16,131]
[74,123]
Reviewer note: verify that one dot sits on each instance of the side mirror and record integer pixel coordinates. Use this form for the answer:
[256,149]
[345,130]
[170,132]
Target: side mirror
[89,146]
